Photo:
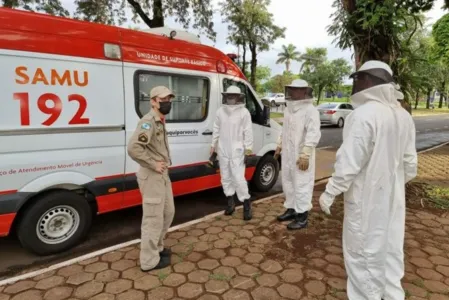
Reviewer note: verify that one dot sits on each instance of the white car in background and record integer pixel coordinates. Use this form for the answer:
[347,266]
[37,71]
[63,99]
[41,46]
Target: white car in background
[334,113]
[275,99]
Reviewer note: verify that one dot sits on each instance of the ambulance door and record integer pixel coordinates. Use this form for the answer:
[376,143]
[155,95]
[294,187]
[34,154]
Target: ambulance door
[189,123]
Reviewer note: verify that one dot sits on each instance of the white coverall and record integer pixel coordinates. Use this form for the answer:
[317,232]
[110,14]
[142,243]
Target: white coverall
[234,134]
[302,127]
[376,159]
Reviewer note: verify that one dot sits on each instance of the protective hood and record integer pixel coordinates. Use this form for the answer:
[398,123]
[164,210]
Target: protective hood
[398,93]
[384,93]
[295,105]
[230,109]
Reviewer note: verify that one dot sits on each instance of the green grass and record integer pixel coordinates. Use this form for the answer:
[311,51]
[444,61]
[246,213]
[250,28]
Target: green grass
[275,115]
[422,111]
[334,100]
[162,276]
[220,277]
[438,196]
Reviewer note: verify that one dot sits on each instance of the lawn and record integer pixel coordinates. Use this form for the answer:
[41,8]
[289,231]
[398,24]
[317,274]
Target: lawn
[429,112]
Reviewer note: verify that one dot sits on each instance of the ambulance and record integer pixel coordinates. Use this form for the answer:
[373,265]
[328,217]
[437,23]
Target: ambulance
[72,93]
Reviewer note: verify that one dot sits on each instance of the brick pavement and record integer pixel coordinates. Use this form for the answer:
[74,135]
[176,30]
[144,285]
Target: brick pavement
[226,258]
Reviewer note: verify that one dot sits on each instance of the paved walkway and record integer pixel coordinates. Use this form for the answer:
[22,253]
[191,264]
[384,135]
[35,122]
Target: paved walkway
[227,258]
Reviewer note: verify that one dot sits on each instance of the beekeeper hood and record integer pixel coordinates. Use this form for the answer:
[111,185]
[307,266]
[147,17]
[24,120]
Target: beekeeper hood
[233,98]
[374,82]
[399,94]
[297,94]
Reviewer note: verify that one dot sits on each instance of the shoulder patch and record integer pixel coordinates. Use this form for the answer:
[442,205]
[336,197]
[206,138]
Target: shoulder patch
[146,126]
[143,138]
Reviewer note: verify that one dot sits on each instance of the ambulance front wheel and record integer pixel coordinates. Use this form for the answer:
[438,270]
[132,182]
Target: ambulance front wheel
[55,222]
[266,174]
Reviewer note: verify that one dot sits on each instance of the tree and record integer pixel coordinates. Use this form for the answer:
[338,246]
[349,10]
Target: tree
[263,73]
[312,58]
[113,12]
[288,54]
[440,53]
[373,27]
[440,34]
[277,83]
[327,75]
[414,67]
[51,7]
[254,26]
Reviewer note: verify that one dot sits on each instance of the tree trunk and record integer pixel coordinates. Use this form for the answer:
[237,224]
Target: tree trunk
[441,100]
[287,66]
[158,14]
[417,100]
[429,93]
[320,91]
[253,64]
[244,58]
[358,62]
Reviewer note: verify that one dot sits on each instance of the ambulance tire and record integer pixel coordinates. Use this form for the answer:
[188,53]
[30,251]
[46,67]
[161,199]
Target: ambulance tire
[69,207]
[266,174]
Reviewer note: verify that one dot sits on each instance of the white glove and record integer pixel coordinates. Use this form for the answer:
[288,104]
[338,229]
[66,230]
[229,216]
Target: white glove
[326,201]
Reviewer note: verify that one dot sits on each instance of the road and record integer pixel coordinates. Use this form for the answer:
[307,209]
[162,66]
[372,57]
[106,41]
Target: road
[430,131]
[107,230]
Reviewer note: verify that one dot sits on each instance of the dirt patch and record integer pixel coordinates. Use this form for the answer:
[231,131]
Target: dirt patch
[287,246]
[432,198]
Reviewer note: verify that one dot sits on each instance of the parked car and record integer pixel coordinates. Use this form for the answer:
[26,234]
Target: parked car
[334,113]
[275,99]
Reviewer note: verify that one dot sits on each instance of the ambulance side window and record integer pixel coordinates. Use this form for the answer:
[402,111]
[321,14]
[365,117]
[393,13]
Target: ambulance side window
[251,102]
[192,95]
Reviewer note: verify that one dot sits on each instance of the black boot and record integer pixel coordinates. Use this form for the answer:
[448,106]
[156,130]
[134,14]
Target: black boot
[301,221]
[163,263]
[247,213]
[287,216]
[231,206]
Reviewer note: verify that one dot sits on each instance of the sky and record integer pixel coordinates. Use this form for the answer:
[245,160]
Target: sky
[305,22]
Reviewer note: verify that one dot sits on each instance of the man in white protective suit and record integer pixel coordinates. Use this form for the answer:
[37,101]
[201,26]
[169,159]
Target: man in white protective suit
[300,135]
[234,134]
[375,161]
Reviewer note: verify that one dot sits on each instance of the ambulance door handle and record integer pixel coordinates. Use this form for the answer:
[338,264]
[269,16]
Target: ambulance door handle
[207,132]
[268,133]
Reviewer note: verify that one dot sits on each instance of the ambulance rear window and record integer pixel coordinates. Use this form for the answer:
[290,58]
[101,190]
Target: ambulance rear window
[192,95]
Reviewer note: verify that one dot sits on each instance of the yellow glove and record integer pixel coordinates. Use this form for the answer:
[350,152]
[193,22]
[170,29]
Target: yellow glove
[303,163]
[277,153]
[247,154]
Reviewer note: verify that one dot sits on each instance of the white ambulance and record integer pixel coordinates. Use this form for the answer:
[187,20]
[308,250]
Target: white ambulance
[72,93]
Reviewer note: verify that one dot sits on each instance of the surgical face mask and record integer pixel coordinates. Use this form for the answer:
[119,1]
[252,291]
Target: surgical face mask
[165,107]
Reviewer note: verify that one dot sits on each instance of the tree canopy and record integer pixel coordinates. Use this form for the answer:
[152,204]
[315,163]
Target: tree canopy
[197,14]
[251,26]
[287,55]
